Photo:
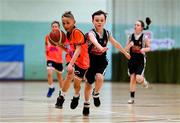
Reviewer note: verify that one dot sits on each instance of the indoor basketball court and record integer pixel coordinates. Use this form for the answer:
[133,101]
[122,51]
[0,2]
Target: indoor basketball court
[27,102]
[114,45]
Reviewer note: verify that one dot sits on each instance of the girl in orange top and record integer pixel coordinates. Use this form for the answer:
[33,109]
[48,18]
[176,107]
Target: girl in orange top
[77,60]
[54,61]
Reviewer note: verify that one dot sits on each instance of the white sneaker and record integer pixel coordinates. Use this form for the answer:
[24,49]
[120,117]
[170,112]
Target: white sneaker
[131,101]
[146,84]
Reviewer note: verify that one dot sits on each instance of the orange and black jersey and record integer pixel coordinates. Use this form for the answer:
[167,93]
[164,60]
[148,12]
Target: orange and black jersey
[74,38]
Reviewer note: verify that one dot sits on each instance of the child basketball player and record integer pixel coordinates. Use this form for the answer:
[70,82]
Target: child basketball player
[98,59]
[138,44]
[77,63]
[54,61]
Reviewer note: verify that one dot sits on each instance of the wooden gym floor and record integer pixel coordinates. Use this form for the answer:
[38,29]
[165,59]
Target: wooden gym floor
[27,102]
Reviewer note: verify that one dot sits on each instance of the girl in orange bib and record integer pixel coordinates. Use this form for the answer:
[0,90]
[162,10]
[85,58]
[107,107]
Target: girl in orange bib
[54,61]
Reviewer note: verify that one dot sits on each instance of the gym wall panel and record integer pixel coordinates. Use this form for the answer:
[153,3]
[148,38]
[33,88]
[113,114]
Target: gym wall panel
[28,21]
[48,10]
[163,13]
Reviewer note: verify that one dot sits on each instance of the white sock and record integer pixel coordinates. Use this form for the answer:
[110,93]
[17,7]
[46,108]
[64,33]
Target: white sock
[63,93]
[51,86]
[95,92]
[87,102]
[76,95]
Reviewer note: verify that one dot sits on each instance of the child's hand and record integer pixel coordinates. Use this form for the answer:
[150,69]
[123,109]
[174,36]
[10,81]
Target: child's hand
[104,49]
[129,46]
[70,69]
[142,51]
[127,55]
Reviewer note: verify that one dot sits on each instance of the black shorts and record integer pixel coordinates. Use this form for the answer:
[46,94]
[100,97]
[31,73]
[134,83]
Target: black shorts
[79,71]
[136,65]
[54,65]
[97,65]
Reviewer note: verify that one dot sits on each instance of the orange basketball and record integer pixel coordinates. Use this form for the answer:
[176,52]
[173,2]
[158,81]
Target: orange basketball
[57,37]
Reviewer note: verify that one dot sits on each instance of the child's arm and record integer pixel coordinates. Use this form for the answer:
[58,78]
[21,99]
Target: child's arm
[63,47]
[118,46]
[148,46]
[66,49]
[75,55]
[129,45]
[73,60]
[93,39]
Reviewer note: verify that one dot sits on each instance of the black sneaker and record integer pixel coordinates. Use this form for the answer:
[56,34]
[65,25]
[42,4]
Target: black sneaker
[86,109]
[59,103]
[74,102]
[96,99]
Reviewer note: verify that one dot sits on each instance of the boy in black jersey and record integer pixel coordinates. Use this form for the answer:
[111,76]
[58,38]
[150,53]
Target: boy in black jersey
[138,44]
[98,61]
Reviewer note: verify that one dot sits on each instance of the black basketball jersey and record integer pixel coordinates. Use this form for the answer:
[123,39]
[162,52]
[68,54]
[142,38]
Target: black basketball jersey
[138,44]
[101,40]
[137,60]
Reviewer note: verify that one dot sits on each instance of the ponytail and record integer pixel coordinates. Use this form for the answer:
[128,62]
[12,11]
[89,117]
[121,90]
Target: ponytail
[148,22]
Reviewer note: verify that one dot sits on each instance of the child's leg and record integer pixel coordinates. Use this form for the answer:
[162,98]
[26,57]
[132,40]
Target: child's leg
[132,88]
[90,76]
[66,85]
[87,94]
[142,80]
[50,77]
[67,82]
[76,96]
[50,83]
[77,85]
[60,80]
[99,82]
[98,85]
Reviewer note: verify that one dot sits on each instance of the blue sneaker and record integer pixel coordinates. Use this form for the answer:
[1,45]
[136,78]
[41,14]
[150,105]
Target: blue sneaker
[50,92]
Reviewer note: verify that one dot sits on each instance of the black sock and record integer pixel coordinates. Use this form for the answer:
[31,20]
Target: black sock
[132,94]
[59,93]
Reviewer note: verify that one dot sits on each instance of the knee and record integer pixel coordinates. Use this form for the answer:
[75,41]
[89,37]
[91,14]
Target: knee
[99,77]
[77,83]
[77,86]
[69,76]
[139,78]
[70,71]
[49,73]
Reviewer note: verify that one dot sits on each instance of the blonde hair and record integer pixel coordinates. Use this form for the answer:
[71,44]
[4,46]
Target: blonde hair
[68,14]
